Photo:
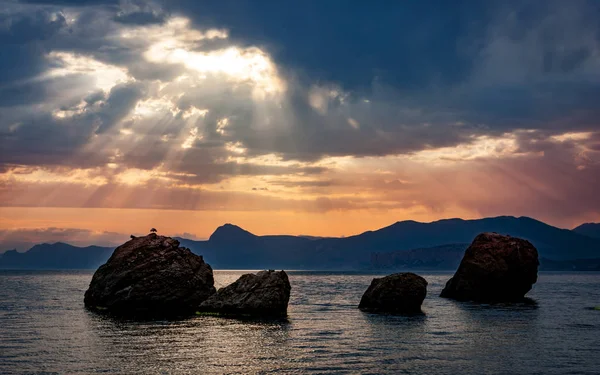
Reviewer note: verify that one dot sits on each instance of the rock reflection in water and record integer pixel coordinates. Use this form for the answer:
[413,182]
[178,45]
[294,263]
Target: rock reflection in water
[45,328]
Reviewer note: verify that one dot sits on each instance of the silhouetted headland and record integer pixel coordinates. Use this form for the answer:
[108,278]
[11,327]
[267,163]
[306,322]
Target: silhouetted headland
[402,246]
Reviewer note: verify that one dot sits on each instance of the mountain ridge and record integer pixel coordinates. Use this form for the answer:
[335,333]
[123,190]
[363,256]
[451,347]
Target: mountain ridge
[588,229]
[232,247]
[58,255]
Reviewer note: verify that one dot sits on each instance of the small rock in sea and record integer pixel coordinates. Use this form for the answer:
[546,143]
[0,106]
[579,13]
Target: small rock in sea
[495,268]
[265,294]
[400,293]
[150,276]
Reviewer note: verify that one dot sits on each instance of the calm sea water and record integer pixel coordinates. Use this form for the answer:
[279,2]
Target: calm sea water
[44,328]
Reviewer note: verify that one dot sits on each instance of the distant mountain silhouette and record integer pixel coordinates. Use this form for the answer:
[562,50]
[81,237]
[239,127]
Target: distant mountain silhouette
[589,229]
[233,247]
[437,257]
[56,256]
[552,242]
[437,245]
[448,257]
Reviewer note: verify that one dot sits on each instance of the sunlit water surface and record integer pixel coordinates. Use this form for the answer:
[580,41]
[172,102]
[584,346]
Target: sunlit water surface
[44,328]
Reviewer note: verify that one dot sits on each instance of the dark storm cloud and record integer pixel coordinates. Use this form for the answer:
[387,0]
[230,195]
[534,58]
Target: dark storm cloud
[43,139]
[121,100]
[410,44]
[508,64]
[94,97]
[22,37]
[72,2]
[140,13]
[140,18]
[388,78]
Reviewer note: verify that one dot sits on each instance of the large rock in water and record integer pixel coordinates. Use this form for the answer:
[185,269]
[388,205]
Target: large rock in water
[400,293]
[150,276]
[495,268]
[265,294]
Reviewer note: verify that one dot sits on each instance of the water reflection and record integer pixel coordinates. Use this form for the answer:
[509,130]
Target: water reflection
[201,344]
[523,305]
[493,330]
[396,319]
[45,328]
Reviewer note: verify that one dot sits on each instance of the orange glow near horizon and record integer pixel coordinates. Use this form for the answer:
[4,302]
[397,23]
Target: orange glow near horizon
[203,223]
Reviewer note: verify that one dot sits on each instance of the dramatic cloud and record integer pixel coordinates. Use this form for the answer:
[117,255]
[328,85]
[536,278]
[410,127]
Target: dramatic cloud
[433,109]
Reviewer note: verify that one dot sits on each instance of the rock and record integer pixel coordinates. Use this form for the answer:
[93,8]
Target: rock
[495,268]
[150,275]
[400,293]
[265,294]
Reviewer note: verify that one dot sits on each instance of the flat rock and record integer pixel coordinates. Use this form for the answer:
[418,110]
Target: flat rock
[495,268]
[400,293]
[265,294]
[150,275]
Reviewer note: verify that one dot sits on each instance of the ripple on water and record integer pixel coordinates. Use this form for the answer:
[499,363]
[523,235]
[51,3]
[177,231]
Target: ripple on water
[45,329]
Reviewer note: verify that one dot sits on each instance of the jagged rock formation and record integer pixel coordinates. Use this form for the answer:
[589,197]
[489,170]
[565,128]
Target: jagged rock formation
[153,276]
[495,268]
[265,294]
[400,293]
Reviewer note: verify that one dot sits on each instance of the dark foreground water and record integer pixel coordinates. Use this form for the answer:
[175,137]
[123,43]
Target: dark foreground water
[45,329]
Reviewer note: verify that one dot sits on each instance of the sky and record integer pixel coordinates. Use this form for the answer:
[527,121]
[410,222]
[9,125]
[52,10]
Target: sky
[310,117]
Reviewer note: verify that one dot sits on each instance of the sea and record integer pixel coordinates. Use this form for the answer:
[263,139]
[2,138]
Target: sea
[45,329]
